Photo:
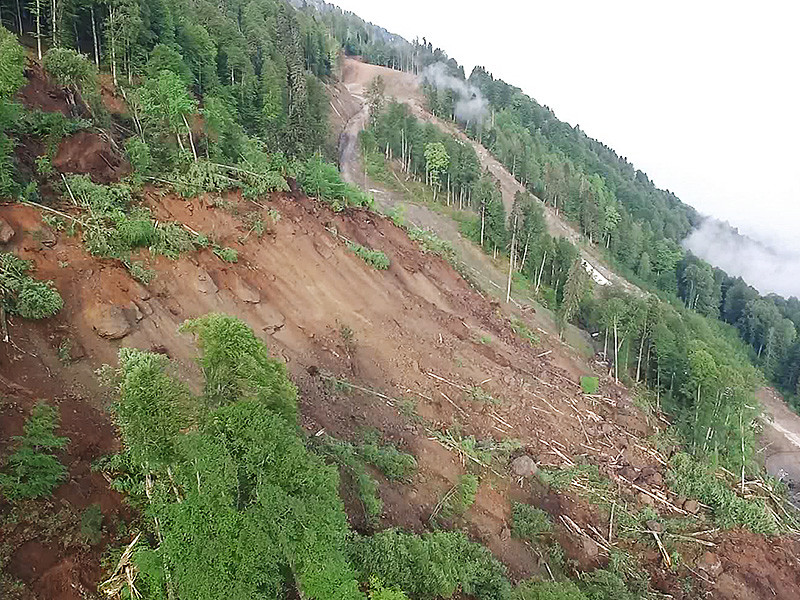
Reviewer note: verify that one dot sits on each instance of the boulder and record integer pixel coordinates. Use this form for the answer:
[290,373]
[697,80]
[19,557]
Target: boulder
[691,506]
[108,321]
[654,525]
[524,466]
[645,499]
[6,231]
[710,563]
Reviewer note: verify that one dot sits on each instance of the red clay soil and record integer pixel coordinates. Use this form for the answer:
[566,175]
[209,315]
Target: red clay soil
[91,153]
[42,539]
[416,333]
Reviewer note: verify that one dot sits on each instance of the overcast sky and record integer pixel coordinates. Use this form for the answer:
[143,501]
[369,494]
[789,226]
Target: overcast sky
[704,96]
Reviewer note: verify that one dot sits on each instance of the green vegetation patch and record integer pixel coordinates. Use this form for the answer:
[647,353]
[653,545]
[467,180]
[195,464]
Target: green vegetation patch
[32,470]
[22,294]
[374,258]
[529,522]
[687,476]
[590,385]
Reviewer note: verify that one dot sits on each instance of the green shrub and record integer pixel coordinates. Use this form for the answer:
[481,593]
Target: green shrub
[590,385]
[32,471]
[70,68]
[550,590]
[530,522]
[374,258]
[322,180]
[366,487]
[430,242]
[395,465]
[138,153]
[21,294]
[433,565]
[242,506]
[461,497]
[92,524]
[227,254]
[688,477]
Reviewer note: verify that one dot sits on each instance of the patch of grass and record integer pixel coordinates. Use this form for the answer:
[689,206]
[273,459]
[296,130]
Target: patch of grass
[522,330]
[395,465]
[374,258]
[688,477]
[65,351]
[479,451]
[529,522]
[433,565]
[432,243]
[23,295]
[461,497]
[478,394]
[590,385]
[226,254]
[348,457]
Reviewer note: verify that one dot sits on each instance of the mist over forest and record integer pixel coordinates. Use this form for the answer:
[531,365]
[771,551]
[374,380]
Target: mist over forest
[768,269]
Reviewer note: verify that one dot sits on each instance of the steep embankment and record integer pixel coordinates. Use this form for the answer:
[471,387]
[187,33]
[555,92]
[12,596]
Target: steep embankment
[423,348]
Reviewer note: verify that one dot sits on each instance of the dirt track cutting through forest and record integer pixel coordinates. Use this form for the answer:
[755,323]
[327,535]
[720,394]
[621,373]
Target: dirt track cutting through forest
[404,87]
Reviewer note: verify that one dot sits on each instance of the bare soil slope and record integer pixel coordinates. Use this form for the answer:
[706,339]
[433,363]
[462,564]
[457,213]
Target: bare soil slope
[416,334]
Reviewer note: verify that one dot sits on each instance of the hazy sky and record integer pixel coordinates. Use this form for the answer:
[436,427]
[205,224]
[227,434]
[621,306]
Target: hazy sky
[704,96]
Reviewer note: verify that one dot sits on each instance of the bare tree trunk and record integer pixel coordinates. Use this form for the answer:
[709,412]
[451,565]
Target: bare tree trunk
[616,354]
[19,17]
[191,139]
[525,253]
[39,28]
[541,270]
[641,350]
[483,221]
[511,261]
[54,22]
[94,38]
[111,24]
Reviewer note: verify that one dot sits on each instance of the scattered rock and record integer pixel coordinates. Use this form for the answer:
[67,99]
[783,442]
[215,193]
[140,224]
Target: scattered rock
[108,321]
[654,525]
[590,549]
[710,563]
[6,231]
[691,506]
[48,238]
[628,473]
[505,534]
[76,350]
[645,499]
[244,292]
[656,479]
[204,284]
[524,466]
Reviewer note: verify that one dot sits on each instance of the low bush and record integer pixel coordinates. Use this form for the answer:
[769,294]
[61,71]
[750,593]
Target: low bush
[21,294]
[395,465]
[320,179]
[32,470]
[688,477]
[374,258]
[433,565]
[530,522]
